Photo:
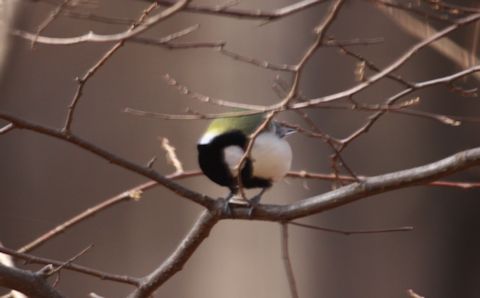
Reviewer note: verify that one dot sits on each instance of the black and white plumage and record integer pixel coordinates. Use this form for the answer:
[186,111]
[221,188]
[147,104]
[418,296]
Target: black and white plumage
[224,143]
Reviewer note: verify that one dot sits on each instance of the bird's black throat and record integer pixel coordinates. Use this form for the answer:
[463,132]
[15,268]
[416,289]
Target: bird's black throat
[212,162]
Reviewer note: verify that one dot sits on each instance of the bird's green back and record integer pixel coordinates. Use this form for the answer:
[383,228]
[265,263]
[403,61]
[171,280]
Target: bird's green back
[247,124]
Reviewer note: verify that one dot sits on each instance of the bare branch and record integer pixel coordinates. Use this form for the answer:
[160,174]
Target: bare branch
[248,150]
[179,257]
[320,32]
[447,47]
[112,158]
[414,87]
[50,18]
[292,284]
[171,156]
[254,14]
[91,72]
[366,188]
[353,232]
[182,89]
[392,67]
[196,116]
[6,128]
[412,294]
[29,283]
[93,37]
[71,266]
[97,18]
[260,63]
[125,196]
[322,176]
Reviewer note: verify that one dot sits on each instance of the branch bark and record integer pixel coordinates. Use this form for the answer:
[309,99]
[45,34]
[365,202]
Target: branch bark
[29,283]
[201,199]
[179,257]
[365,188]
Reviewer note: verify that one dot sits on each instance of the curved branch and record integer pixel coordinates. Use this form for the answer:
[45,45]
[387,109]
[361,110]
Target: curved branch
[366,187]
[121,197]
[93,37]
[196,197]
[29,283]
[179,257]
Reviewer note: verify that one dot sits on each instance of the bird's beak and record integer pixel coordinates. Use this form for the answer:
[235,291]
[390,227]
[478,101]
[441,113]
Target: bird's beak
[287,131]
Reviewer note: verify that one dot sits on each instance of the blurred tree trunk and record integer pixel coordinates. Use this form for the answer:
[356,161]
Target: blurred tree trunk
[7,12]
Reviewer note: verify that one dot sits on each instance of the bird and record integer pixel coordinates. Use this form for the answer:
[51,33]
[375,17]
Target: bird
[224,143]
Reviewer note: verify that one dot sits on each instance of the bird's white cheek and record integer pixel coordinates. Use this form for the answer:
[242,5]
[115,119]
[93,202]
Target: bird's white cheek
[272,157]
[233,154]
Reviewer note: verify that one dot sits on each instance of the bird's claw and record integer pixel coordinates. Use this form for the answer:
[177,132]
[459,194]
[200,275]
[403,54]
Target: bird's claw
[253,202]
[233,200]
[240,201]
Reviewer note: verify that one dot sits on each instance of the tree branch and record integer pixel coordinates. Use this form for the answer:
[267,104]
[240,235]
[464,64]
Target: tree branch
[179,257]
[121,197]
[93,37]
[71,266]
[392,67]
[365,188]
[292,284]
[254,14]
[196,197]
[29,283]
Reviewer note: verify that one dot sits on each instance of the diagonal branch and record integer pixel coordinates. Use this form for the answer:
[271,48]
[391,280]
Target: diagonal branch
[365,188]
[29,283]
[179,257]
[392,67]
[71,266]
[93,70]
[196,197]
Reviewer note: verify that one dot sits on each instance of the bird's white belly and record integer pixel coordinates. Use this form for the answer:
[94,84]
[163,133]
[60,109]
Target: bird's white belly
[271,157]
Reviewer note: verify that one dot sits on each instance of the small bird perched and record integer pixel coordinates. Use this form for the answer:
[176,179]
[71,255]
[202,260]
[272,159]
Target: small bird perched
[223,145]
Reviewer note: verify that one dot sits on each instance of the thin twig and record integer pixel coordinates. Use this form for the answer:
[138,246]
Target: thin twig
[287,263]
[389,69]
[128,195]
[92,70]
[248,150]
[260,63]
[71,260]
[172,156]
[184,90]
[412,294]
[352,232]
[7,128]
[415,87]
[93,37]
[421,29]
[51,17]
[71,266]
[321,176]
[254,14]
[320,32]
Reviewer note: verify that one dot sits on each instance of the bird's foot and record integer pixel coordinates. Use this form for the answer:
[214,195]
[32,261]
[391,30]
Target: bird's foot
[236,200]
[233,199]
[253,202]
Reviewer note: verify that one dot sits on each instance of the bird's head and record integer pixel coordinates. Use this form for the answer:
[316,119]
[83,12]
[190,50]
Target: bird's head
[246,124]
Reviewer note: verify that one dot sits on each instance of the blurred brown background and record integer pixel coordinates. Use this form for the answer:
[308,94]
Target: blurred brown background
[44,181]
